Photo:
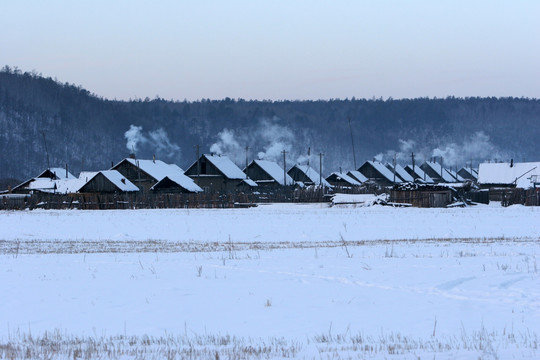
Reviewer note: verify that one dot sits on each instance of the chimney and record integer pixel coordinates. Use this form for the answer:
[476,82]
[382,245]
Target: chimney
[123,180]
[154,158]
[511,162]
[132,155]
[66,171]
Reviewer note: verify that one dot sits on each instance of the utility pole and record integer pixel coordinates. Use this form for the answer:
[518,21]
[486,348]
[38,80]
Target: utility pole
[442,169]
[394,163]
[247,148]
[320,169]
[198,163]
[46,151]
[284,168]
[352,141]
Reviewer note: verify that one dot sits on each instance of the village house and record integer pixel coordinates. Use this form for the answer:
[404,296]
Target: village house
[400,172]
[217,173]
[378,173]
[468,173]
[357,175]
[51,180]
[437,172]
[342,180]
[267,174]
[306,175]
[511,183]
[418,174]
[105,182]
[147,173]
[508,175]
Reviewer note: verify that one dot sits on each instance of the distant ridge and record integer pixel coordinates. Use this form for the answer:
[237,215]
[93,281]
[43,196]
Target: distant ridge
[87,132]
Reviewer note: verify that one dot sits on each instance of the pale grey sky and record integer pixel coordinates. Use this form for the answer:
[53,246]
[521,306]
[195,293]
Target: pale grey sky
[278,49]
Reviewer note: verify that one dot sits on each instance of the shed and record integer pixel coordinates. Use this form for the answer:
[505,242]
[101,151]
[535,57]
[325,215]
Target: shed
[423,195]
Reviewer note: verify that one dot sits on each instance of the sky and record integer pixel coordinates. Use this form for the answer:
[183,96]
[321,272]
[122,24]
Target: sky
[278,50]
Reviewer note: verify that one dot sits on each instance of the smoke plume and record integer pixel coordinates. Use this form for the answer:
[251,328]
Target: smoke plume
[155,141]
[476,148]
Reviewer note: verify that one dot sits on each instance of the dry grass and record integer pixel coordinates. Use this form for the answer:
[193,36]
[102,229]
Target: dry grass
[81,246]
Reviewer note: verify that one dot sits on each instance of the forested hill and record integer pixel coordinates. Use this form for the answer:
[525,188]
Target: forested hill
[88,132]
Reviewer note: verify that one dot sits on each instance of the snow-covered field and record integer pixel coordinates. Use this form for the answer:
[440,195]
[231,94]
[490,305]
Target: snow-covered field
[302,281]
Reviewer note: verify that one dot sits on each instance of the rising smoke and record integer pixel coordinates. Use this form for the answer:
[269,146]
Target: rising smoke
[476,148]
[156,141]
[268,141]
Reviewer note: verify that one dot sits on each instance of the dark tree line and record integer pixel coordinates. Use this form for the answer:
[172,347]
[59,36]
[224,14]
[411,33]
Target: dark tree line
[86,131]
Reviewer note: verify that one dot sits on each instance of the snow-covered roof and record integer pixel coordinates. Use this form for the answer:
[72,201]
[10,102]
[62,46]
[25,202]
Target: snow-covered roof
[61,186]
[119,180]
[436,167]
[156,168]
[504,174]
[274,171]
[59,172]
[183,181]
[312,175]
[383,170]
[345,177]
[400,171]
[249,182]
[357,175]
[226,166]
[420,174]
[471,172]
[455,175]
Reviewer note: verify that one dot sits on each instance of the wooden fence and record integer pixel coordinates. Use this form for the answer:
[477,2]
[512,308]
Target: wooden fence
[158,200]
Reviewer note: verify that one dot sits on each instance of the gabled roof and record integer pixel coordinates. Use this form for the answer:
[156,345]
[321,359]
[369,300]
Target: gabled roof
[436,167]
[419,174]
[58,172]
[118,180]
[400,172]
[344,177]
[455,175]
[504,174]
[249,182]
[311,174]
[383,170]
[225,166]
[155,168]
[357,175]
[468,172]
[273,170]
[182,181]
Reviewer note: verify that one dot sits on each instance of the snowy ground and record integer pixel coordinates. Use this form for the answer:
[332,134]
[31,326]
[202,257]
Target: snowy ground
[275,281]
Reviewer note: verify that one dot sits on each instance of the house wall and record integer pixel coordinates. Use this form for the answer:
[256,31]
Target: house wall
[216,183]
